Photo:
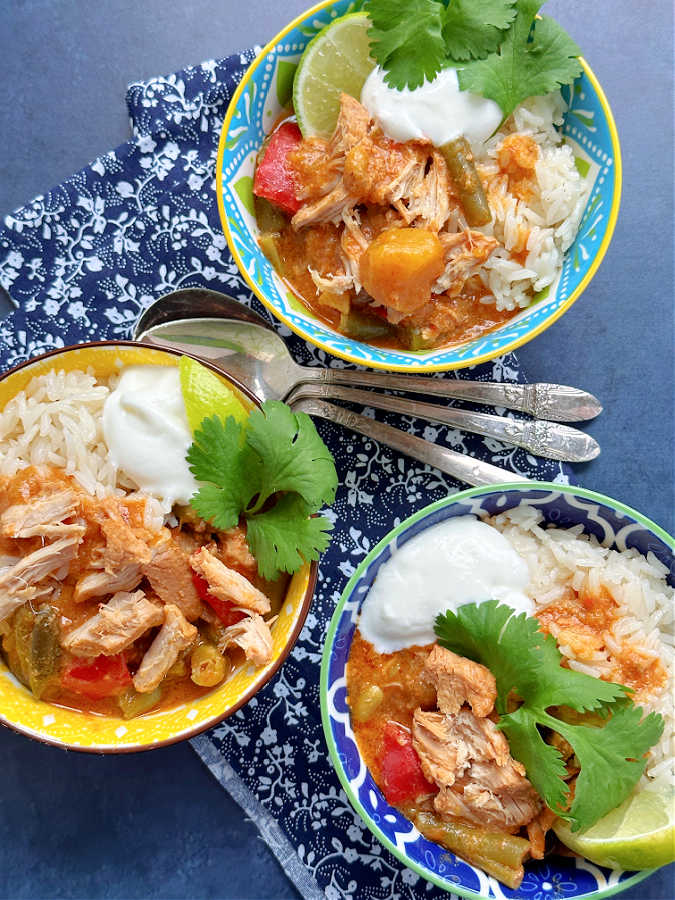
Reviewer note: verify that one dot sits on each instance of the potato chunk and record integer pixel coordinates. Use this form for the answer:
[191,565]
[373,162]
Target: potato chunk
[400,266]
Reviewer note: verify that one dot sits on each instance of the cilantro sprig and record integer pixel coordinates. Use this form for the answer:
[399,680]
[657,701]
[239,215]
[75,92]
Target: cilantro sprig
[536,57]
[501,50]
[276,472]
[526,664]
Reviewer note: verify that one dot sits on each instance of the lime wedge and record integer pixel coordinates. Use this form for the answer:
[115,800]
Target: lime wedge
[638,834]
[336,61]
[204,394]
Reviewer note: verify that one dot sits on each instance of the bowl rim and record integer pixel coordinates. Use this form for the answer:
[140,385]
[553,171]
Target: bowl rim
[394,366]
[293,636]
[333,752]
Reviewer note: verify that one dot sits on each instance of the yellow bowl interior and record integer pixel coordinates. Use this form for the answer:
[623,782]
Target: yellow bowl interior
[71,728]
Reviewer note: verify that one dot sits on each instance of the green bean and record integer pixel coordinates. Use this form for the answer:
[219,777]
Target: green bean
[23,630]
[414,338]
[269,217]
[367,702]
[462,168]
[133,704]
[45,650]
[363,327]
[498,853]
[208,666]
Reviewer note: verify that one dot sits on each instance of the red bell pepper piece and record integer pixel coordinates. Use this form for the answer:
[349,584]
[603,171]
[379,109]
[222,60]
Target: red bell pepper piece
[274,177]
[105,676]
[225,611]
[401,771]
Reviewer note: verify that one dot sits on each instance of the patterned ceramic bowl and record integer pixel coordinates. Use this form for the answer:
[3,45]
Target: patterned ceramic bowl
[76,730]
[261,96]
[615,526]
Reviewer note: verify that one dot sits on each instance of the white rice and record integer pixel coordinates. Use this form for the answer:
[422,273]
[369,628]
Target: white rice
[551,216]
[58,421]
[564,559]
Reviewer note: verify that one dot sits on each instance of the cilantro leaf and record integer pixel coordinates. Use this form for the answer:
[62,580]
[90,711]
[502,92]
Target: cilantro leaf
[292,455]
[471,30]
[406,39]
[527,663]
[217,506]
[611,756]
[543,762]
[285,536]
[218,457]
[535,58]
[276,462]
[521,657]
[215,449]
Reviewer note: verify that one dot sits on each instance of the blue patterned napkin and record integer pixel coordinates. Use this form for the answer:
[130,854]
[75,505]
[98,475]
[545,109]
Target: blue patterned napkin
[81,263]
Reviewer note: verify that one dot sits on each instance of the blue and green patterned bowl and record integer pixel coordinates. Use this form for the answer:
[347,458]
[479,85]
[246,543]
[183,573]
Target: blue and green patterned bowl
[555,877]
[263,93]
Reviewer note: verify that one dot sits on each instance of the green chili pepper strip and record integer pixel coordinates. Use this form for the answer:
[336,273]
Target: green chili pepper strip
[45,650]
[363,327]
[462,168]
[133,704]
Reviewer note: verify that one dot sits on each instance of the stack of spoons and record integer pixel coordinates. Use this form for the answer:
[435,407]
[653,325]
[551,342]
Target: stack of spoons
[218,329]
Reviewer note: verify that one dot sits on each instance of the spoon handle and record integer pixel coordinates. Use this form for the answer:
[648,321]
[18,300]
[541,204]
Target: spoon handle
[463,468]
[556,402]
[542,438]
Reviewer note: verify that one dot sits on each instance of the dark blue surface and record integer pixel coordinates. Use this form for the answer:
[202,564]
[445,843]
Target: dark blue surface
[157,825]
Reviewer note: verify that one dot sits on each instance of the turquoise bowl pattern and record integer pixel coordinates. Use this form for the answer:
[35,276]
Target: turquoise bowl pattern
[266,89]
[558,877]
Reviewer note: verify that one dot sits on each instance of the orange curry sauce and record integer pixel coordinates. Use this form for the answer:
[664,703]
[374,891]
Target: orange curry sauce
[177,687]
[460,317]
[399,675]
[581,622]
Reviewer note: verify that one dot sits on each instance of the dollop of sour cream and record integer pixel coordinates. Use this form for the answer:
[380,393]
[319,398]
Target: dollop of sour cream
[461,560]
[146,429]
[438,111]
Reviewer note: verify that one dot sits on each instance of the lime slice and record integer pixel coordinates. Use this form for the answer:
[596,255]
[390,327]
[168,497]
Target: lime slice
[638,834]
[204,394]
[336,61]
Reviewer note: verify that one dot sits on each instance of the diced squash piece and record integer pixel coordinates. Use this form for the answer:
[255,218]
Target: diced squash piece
[400,266]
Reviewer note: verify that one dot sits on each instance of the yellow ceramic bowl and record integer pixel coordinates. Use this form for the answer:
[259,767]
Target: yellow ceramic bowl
[75,730]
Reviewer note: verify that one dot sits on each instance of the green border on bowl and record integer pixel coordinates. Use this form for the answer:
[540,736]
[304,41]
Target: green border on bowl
[330,635]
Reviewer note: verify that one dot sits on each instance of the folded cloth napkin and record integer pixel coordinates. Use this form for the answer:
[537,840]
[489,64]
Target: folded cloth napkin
[81,263]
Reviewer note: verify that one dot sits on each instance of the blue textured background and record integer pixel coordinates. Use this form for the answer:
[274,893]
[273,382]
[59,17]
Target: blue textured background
[157,825]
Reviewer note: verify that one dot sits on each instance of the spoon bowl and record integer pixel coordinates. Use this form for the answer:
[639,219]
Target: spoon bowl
[225,332]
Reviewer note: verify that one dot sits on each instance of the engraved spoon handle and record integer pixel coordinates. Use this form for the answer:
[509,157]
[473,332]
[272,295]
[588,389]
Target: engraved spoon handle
[539,437]
[556,402]
[463,468]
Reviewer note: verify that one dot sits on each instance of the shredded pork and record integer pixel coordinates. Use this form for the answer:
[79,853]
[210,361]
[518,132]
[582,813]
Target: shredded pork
[227,584]
[118,623]
[114,576]
[253,636]
[175,636]
[465,754]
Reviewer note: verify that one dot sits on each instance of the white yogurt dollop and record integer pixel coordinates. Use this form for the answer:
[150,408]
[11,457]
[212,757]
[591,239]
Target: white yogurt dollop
[461,560]
[147,432]
[438,111]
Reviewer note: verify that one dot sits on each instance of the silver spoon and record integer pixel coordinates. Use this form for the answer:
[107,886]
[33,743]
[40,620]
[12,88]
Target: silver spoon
[537,436]
[248,351]
[257,356]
